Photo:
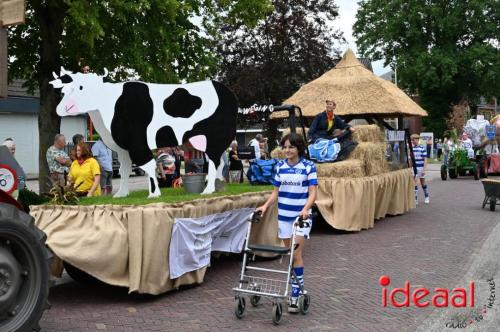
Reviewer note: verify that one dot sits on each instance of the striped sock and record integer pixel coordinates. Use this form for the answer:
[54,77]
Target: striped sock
[299,273]
[426,191]
[416,193]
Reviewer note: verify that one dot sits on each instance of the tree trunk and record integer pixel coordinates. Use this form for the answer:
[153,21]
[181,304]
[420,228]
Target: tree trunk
[50,19]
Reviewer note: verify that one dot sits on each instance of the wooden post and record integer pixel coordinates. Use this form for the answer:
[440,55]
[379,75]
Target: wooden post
[3,61]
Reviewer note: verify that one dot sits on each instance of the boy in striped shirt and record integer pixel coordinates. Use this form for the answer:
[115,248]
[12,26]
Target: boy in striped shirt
[295,189]
[420,153]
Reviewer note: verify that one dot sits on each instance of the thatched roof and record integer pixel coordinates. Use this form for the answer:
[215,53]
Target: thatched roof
[356,91]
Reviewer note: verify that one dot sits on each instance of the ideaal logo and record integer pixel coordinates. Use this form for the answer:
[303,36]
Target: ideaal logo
[423,297]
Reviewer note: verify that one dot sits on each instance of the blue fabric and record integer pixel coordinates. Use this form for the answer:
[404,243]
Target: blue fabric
[319,126]
[262,171]
[420,153]
[324,150]
[103,155]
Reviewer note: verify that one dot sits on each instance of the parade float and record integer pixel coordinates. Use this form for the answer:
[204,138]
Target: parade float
[375,180]
[158,243]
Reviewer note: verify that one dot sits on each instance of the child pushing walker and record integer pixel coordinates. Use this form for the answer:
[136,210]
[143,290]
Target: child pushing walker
[295,188]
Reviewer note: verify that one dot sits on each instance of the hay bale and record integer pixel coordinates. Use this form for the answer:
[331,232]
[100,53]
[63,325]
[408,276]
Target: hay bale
[368,133]
[342,169]
[298,130]
[278,153]
[373,155]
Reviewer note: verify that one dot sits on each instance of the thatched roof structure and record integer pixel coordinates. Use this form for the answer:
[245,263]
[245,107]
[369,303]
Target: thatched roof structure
[357,92]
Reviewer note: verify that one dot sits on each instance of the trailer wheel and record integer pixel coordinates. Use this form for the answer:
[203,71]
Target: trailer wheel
[80,276]
[452,172]
[24,271]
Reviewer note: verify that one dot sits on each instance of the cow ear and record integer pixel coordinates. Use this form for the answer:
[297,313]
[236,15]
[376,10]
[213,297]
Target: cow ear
[57,84]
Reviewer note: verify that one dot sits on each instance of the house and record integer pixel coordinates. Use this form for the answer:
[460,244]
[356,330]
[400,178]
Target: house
[19,120]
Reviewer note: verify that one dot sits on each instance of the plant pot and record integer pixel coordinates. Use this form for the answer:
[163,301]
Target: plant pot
[194,183]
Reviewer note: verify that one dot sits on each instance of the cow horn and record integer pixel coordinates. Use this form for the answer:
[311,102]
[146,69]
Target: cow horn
[105,72]
[63,71]
[55,75]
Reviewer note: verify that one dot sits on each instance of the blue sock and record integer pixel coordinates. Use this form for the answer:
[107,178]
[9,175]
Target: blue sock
[299,273]
[426,190]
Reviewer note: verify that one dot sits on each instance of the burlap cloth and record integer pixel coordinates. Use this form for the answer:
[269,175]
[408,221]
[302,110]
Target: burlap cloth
[128,246]
[354,204]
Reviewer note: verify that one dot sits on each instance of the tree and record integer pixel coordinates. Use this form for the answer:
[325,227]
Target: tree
[158,40]
[446,51]
[267,63]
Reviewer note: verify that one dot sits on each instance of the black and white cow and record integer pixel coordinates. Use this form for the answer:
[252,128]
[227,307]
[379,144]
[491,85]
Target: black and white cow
[134,118]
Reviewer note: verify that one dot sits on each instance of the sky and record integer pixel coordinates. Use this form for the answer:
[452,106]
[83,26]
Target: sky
[345,21]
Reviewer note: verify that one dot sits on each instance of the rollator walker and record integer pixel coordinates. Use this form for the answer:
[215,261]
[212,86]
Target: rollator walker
[276,289]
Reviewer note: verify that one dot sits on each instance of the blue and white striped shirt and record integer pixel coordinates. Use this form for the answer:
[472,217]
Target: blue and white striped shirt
[293,183]
[420,153]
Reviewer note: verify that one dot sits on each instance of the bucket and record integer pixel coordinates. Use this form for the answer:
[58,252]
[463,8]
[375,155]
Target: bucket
[194,183]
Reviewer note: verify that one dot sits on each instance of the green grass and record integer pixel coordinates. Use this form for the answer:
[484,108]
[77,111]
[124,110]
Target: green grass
[170,195]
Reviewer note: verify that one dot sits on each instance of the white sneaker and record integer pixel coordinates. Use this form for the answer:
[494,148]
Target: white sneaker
[293,305]
[427,200]
[416,202]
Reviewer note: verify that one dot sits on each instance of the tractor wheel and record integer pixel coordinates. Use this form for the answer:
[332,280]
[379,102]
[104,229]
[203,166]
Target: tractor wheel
[452,172]
[444,173]
[475,172]
[482,172]
[24,271]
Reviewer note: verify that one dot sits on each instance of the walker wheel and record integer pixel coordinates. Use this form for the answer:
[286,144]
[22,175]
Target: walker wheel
[255,299]
[277,313]
[304,303]
[239,306]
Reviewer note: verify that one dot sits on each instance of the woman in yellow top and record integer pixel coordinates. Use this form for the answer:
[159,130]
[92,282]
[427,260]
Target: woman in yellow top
[85,172]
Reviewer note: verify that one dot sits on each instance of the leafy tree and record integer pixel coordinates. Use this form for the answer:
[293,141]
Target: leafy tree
[159,40]
[267,63]
[446,51]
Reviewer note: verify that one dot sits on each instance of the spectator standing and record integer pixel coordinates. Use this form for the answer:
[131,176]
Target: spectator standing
[256,145]
[10,144]
[77,138]
[439,146]
[85,173]
[235,164]
[104,157]
[58,160]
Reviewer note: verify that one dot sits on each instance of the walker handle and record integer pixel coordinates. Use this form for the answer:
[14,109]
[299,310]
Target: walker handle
[302,223]
[256,217]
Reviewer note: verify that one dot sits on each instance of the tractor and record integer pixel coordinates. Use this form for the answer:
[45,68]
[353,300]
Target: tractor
[459,164]
[24,258]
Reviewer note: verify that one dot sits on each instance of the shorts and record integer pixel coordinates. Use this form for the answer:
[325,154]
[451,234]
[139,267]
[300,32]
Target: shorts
[285,229]
[106,179]
[419,173]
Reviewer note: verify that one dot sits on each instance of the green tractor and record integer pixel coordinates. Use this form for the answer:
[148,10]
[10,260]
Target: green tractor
[459,164]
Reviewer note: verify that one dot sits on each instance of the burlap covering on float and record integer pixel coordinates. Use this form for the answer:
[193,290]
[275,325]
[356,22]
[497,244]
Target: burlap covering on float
[354,204]
[128,246]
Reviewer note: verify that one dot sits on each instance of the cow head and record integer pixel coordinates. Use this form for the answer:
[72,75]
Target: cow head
[78,90]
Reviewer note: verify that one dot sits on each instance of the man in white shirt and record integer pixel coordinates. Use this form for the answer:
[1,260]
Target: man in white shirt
[255,143]
[466,143]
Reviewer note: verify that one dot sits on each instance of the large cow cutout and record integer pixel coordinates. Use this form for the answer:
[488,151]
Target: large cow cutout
[134,118]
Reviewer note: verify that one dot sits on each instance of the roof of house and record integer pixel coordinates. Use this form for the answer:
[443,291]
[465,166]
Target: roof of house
[356,91]
[19,100]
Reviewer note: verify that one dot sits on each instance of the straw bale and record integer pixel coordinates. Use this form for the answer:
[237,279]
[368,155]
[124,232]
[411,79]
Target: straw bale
[373,155]
[342,169]
[356,91]
[368,133]
[286,131]
[278,153]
